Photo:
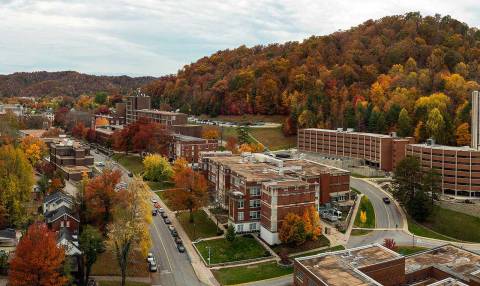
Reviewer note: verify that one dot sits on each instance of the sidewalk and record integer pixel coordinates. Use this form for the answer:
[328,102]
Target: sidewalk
[203,273]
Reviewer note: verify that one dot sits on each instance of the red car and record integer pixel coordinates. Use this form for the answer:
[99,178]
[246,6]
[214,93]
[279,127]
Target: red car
[156,205]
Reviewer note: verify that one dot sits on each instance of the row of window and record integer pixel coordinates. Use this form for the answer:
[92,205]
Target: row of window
[251,227]
[253,204]
[253,215]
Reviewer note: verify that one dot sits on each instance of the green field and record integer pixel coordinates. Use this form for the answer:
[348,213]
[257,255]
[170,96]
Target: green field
[202,227]
[160,185]
[242,248]
[365,205]
[249,273]
[448,225]
[130,162]
[106,265]
[407,250]
[273,138]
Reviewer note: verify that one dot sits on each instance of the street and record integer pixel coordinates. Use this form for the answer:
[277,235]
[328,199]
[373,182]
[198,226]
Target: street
[174,268]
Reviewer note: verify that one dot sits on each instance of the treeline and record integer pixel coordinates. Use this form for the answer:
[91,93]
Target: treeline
[359,78]
[65,83]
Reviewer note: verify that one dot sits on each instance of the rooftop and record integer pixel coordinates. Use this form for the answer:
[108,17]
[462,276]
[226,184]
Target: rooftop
[448,258]
[161,112]
[350,132]
[444,147]
[341,267]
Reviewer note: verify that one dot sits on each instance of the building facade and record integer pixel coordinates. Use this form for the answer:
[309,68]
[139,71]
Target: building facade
[189,147]
[72,158]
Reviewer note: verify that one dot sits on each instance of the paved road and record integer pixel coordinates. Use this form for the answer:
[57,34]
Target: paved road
[386,216]
[174,268]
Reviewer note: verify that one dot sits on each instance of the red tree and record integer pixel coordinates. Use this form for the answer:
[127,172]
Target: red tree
[38,260]
[100,197]
[79,130]
[61,116]
[192,193]
[390,243]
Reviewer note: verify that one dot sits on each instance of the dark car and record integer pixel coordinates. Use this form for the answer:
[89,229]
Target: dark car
[178,240]
[180,248]
[386,200]
[154,212]
[130,174]
[174,233]
[164,215]
[167,221]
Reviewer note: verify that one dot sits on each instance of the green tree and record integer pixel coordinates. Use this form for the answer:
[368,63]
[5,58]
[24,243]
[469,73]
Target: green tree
[435,124]
[381,126]
[349,118]
[230,234]
[404,124]
[407,177]
[392,115]
[419,207]
[101,97]
[91,244]
[243,135]
[431,183]
[16,183]
[157,168]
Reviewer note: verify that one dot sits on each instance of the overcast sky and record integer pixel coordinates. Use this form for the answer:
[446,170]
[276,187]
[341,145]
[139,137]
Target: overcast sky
[158,37]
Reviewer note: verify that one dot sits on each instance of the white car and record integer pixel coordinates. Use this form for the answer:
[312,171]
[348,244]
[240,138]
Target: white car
[171,227]
[150,257]
[100,164]
[154,200]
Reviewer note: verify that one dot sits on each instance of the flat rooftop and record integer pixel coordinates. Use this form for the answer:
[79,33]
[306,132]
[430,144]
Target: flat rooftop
[448,258]
[310,168]
[349,132]
[161,112]
[444,147]
[340,268]
[286,183]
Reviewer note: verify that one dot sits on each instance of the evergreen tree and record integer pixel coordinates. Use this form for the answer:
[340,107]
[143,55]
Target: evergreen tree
[404,124]
[392,115]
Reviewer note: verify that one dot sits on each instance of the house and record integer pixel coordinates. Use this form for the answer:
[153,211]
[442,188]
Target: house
[62,217]
[56,200]
[70,243]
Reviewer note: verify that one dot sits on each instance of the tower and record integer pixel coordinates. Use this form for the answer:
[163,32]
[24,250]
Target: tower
[475,119]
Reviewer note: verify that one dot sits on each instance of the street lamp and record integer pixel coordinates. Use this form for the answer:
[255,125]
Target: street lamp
[209,253]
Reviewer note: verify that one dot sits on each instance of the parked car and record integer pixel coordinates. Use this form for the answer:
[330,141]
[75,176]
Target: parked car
[167,221]
[156,205]
[150,257]
[171,228]
[174,233]
[164,215]
[178,240]
[154,200]
[100,164]
[161,210]
[154,212]
[180,248]
[152,266]
[386,200]
[130,174]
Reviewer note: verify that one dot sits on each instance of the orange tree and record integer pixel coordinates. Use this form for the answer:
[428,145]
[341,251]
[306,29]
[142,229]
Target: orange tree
[38,260]
[192,191]
[34,148]
[292,229]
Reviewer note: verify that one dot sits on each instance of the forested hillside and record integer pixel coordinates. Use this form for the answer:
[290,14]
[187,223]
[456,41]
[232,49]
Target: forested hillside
[68,83]
[407,73]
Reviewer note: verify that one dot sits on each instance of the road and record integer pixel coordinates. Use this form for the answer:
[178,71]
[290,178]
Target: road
[386,215]
[174,268]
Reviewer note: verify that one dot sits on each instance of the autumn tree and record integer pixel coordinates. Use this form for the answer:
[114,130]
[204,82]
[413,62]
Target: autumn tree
[404,124]
[101,121]
[435,124]
[390,243]
[157,168]
[100,197]
[129,228]
[34,148]
[16,183]
[292,230]
[179,165]
[210,133]
[38,260]
[192,191]
[463,134]
[79,130]
[232,144]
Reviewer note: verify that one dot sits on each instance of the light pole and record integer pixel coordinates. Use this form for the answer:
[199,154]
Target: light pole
[209,253]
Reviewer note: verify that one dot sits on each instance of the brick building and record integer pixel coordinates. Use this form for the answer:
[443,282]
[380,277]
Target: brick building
[72,158]
[189,147]
[259,190]
[377,265]
[377,150]
[134,103]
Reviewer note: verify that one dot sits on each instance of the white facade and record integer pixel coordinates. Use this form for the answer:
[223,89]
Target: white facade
[270,237]
[475,119]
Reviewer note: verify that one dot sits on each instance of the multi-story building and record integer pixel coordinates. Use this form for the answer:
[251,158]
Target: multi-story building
[377,265]
[72,158]
[133,104]
[166,118]
[377,150]
[189,147]
[259,190]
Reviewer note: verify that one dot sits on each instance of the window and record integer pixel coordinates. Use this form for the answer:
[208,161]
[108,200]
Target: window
[254,203]
[240,215]
[254,214]
[255,191]
[68,223]
[240,204]
[62,223]
[240,228]
[299,276]
[252,226]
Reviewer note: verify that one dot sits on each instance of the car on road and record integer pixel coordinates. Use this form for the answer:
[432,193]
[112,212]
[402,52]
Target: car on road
[130,174]
[100,164]
[161,210]
[167,221]
[150,257]
[154,200]
[164,215]
[174,233]
[178,240]
[154,212]
[386,200]
[181,248]
[171,228]
[152,266]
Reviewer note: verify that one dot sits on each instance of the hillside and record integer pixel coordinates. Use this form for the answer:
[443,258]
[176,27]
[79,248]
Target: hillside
[64,83]
[360,78]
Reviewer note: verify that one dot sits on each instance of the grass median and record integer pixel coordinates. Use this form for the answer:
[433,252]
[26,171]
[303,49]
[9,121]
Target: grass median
[130,162]
[221,250]
[249,273]
[202,227]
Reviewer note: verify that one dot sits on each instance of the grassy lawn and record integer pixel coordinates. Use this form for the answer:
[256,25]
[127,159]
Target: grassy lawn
[249,273]
[132,163]
[330,249]
[322,241]
[448,225]
[107,265]
[407,250]
[273,138]
[365,205]
[204,226]
[118,283]
[242,248]
[160,185]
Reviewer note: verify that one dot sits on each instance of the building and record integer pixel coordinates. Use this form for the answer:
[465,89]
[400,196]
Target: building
[259,190]
[133,104]
[475,144]
[458,167]
[16,109]
[104,134]
[72,158]
[189,147]
[166,118]
[63,217]
[377,265]
[377,150]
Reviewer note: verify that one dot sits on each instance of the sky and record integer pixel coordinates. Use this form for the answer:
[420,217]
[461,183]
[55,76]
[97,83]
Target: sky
[159,37]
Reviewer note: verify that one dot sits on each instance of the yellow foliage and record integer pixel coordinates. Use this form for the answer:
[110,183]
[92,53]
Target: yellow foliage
[437,100]
[101,121]
[210,133]
[363,217]
[34,148]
